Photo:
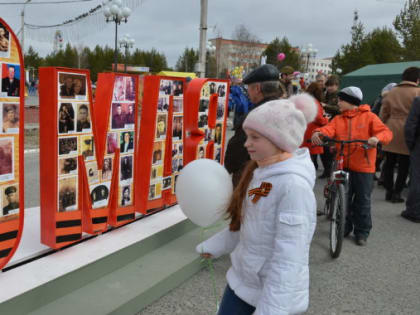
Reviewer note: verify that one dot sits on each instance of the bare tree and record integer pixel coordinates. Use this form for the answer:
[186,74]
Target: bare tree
[246,52]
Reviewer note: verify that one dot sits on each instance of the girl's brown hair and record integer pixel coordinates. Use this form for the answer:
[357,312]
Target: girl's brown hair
[316,91]
[234,211]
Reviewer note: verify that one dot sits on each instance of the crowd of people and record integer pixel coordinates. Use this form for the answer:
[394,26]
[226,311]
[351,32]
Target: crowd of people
[270,225]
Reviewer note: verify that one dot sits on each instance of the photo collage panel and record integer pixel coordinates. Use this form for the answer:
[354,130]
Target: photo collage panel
[167,88]
[121,134]
[216,134]
[10,75]
[75,137]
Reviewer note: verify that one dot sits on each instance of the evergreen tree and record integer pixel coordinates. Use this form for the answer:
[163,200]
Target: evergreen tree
[282,46]
[32,62]
[407,24]
[186,62]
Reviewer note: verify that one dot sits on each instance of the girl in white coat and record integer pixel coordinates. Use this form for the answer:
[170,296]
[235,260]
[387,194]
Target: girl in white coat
[272,215]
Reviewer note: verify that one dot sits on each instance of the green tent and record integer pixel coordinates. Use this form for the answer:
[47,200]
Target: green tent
[372,79]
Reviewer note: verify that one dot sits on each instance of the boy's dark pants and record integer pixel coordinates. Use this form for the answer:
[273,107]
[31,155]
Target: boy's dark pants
[358,210]
[403,167]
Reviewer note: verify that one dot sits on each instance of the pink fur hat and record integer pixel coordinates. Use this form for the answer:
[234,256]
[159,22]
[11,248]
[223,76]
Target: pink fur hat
[284,121]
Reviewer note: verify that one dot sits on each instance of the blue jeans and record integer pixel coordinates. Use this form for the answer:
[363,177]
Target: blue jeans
[358,210]
[232,305]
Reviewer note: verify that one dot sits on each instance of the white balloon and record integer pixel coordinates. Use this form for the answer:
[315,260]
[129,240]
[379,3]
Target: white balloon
[203,190]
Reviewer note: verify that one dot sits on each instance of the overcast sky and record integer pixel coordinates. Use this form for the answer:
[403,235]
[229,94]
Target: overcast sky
[171,25]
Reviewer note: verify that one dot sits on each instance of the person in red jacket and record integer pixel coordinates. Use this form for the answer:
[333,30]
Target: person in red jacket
[316,91]
[357,122]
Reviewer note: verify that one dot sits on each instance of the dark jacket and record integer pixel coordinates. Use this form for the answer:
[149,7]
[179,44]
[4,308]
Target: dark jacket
[11,88]
[331,107]
[236,154]
[412,139]
[412,127]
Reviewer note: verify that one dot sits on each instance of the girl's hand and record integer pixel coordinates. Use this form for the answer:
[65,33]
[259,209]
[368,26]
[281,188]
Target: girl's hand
[206,255]
[316,138]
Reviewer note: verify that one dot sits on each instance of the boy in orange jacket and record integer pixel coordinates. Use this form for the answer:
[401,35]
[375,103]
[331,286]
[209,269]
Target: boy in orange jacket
[356,122]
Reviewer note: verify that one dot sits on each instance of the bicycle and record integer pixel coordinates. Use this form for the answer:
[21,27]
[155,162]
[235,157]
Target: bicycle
[335,193]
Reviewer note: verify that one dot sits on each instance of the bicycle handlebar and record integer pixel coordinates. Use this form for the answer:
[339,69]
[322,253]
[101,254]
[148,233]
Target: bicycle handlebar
[328,139]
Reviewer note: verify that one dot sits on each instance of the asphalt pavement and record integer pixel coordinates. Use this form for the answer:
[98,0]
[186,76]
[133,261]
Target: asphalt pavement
[381,278]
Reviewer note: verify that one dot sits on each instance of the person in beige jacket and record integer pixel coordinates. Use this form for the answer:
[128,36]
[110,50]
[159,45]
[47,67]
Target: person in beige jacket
[394,112]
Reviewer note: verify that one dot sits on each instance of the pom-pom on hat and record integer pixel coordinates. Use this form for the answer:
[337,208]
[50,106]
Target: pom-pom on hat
[283,122]
[352,95]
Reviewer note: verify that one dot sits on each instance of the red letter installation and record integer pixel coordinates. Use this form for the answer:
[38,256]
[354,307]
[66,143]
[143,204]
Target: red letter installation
[12,93]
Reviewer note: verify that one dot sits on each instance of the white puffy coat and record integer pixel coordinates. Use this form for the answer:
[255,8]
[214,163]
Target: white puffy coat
[270,253]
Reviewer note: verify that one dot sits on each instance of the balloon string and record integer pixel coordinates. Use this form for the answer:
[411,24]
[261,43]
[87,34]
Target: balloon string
[210,266]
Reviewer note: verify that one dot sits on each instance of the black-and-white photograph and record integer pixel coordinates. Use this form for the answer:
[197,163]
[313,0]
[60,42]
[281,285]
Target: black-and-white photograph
[92,172]
[165,87]
[221,90]
[167,182]
[67,166]
[163,103]
[83,118]
[67,145]
[152,192]
[65,118]
[126,168]
[220,108]
[202,121]
[67,194]
[99,194]
[178,89]
[10,200]
[204,105]
[126,198]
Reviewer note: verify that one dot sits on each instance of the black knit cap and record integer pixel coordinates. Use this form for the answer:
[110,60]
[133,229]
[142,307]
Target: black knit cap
[263,73]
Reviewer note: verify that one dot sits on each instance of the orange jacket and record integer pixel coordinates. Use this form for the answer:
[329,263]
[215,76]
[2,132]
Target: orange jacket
[319,121]
[359,123]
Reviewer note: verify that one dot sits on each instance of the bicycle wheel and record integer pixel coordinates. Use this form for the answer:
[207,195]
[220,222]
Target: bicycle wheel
[338,217]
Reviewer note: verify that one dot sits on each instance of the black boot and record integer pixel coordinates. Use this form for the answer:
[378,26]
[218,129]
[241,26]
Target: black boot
[388,195]
[396,198]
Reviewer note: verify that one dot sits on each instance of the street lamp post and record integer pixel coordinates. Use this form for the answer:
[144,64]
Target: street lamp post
[309,52]
[126,42]
[115,12]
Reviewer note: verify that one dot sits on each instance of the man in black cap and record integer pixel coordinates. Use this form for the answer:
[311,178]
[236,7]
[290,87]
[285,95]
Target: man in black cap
[12,198]
[263,86]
